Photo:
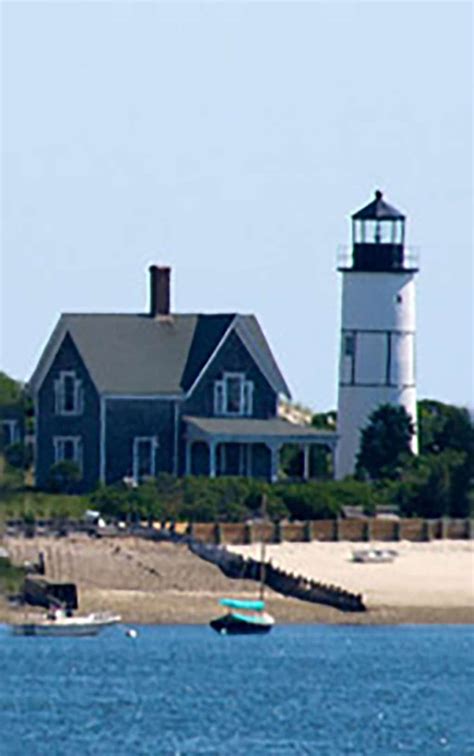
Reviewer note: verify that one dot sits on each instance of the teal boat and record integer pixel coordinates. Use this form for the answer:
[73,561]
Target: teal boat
[244,618]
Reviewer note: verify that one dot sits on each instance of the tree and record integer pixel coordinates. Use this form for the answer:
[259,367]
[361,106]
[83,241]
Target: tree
[444,428]
[325,420]
[10,390]
[385,443]
[429,486]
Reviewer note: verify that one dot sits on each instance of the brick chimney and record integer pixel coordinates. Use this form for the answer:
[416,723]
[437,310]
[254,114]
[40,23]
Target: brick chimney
[159,290]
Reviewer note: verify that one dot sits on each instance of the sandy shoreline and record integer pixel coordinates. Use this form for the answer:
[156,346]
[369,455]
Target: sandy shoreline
[164,583]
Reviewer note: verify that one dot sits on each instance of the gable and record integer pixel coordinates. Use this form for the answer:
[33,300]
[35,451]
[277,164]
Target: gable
[249,333]
[67,357]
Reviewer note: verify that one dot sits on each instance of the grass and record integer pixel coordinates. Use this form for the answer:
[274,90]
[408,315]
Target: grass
[27,503]
[18,499]
[11,578]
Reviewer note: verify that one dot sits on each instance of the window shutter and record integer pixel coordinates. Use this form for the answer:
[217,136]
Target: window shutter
[248,398]
[78,397]
[57,398]
[219,398]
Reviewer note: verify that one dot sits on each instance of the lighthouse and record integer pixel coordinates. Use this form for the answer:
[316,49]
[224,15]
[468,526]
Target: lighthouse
[377,353]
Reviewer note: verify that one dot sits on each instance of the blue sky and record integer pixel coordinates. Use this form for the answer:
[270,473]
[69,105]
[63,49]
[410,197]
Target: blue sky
[232,141]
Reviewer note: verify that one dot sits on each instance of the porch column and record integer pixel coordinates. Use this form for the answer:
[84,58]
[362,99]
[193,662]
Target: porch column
[212,459]
[333,449]
[187,469]
[274,460]
[306,460]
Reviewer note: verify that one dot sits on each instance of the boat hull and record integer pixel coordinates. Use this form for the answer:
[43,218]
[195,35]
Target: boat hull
[71,627]
[231,625]
[42,630]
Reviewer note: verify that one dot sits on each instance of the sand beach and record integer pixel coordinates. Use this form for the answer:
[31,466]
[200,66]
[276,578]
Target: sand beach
[149,582]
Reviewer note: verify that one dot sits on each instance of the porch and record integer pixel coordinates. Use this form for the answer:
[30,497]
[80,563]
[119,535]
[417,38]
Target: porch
[248,447]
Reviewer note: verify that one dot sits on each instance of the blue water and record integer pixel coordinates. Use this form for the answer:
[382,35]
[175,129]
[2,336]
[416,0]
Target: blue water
[185,690]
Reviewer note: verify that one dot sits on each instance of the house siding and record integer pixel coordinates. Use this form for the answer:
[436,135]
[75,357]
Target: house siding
[127,419]
[85,425]
[232,357]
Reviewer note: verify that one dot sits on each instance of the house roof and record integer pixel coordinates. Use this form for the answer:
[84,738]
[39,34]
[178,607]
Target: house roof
[136,355]
[239,428]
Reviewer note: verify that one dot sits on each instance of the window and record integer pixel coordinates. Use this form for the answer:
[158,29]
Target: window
[68,449]
[348,358]
[68,394]
[349,345]
[233,395]
[10,434]
[144,457]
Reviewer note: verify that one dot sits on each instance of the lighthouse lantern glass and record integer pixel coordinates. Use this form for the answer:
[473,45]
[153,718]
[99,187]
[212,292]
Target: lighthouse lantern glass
[378,231]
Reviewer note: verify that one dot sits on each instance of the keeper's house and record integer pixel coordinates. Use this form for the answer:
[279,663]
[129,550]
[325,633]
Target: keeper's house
[187,394]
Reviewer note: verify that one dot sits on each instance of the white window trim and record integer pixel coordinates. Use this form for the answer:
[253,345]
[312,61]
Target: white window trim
[13,430]
[153,440]
[245,400]
[59,394]
[59,441]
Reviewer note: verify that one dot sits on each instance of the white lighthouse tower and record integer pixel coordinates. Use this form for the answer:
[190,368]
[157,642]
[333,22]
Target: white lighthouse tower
[377,359]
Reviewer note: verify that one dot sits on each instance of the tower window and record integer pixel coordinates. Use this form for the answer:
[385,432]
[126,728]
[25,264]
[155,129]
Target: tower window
[349,345]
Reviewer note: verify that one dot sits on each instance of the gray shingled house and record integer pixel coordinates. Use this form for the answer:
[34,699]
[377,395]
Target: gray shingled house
[134,395]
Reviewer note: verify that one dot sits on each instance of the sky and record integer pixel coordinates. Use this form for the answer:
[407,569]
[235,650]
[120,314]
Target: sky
[232,141]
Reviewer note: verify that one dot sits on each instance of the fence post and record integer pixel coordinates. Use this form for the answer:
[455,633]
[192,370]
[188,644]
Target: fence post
[277,532]
[368,530]
[217,534]
[427,530]
[444,527]
[308,531]
[397,530]
[248,533]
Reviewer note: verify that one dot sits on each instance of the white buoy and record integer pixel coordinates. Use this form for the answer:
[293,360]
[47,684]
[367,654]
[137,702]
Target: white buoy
[131,633]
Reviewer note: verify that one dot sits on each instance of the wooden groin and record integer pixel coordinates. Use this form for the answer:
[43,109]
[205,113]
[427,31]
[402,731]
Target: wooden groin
[297,586]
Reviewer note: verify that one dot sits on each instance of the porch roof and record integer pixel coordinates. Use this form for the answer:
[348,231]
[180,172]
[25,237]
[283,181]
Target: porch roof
[248,430]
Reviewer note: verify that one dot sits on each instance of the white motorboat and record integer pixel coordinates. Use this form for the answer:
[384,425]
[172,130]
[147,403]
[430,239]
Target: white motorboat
[59,623]
[374,556]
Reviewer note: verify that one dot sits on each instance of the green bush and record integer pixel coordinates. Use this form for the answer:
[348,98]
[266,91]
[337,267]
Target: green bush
[308,501]
[19,456]
[64,477]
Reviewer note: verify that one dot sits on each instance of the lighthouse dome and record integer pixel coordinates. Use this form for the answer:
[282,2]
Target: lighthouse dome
[378,209]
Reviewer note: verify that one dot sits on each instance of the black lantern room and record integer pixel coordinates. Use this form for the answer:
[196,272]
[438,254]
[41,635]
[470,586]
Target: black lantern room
[378,237]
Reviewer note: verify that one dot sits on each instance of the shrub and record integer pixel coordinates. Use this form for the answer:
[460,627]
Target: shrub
[309,501]
[19,456]
[64,477]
